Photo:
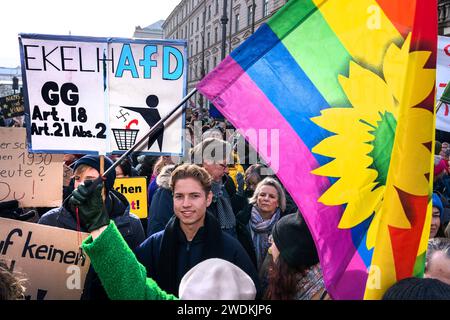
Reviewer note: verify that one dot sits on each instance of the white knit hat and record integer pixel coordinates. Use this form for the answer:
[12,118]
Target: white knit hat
[216,279]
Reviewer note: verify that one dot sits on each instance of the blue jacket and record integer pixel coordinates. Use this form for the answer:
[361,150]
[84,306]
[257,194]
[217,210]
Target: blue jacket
[191,253]
[160,211]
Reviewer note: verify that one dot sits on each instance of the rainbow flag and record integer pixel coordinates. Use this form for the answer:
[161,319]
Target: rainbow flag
[348,85]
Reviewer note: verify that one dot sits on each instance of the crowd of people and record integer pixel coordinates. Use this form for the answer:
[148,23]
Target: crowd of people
[218,227]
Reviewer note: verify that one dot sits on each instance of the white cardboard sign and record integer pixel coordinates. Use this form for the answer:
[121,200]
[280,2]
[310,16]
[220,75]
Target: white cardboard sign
[100,95]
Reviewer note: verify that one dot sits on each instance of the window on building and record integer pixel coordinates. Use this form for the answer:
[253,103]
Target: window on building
[209,12]
[208,37]
[216,34]
[192,50]
[265,7]
[192,5]
[198,21]
[192,28]
[195,74]
[217,7]
[214,62]
[207,66]
[236,23]
[196,46]
[249,14]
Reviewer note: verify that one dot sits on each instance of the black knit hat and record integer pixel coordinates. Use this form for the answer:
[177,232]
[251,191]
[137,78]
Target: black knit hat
[94,162]
[294,241]
[418,289]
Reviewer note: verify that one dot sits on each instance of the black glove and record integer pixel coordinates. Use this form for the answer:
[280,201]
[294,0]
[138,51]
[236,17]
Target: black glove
[88,199]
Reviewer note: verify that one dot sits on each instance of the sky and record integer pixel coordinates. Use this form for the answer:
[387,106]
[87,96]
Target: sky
[100,18]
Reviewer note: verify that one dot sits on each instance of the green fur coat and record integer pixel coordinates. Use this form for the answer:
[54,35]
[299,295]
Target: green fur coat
[122,276]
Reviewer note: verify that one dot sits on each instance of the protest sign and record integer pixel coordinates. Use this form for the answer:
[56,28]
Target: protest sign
[101,95]
[11,106]
[35,180]
[135,190]
[442,78]
[48,257]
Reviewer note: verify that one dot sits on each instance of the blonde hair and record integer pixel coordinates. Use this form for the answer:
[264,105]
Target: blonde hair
[80,170]
[274,183]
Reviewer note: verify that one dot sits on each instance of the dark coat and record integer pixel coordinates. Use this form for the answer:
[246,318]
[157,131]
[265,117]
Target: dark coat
[243,232]
[160,211]
[128,224]
[238,202]
[189,254]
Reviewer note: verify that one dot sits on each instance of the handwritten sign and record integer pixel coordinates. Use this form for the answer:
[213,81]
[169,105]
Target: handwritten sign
[11,106]
[135,190]
[34,179]
[48,257]
[101,95]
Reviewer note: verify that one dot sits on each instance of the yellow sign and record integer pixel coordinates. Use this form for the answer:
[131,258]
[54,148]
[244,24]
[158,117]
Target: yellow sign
[135,190]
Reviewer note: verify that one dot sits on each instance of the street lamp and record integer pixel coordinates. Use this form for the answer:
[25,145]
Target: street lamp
[202,69]
[224,21]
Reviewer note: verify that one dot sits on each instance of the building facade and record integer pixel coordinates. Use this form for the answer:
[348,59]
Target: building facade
[153,31]
[199,22]
[444,17]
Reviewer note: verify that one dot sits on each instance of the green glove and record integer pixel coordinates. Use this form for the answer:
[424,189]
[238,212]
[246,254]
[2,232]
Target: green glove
[88,199]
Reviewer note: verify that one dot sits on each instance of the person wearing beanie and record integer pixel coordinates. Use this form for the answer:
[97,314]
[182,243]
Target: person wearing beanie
[116,206]
[295,272]
[437,214]
[418,289]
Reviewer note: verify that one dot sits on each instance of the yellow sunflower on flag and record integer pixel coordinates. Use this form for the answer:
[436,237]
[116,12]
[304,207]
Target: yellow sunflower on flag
[370,160]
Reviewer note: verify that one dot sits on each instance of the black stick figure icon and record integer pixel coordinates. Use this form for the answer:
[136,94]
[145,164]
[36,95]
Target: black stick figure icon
[151,116]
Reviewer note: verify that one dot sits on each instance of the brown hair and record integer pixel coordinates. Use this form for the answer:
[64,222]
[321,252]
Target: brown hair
[283,280]
[11,284]
[80,169]
[191,171]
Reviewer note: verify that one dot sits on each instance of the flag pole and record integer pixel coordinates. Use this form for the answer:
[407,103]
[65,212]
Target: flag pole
[152,131]
[149,134]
